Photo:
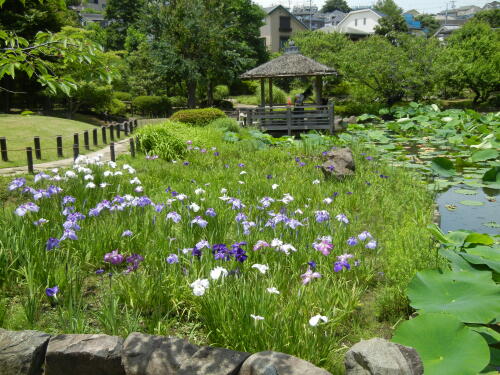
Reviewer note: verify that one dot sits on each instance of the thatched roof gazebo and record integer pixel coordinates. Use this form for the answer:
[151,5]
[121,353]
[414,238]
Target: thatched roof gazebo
[290,64]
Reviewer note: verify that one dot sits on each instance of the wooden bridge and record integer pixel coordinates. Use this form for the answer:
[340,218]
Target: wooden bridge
[290,119]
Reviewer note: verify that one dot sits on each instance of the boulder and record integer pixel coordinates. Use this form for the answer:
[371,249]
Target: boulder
[350,120]
[339,163]
[275,363]
[213,361]
[22,352]
[155,355]
[381,357]
[83,355]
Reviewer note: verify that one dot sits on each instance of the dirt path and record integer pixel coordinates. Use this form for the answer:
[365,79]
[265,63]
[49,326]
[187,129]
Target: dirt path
[121,147]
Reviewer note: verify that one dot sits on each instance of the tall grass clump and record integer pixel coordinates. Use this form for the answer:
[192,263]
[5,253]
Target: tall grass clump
[279,96]
[160,140]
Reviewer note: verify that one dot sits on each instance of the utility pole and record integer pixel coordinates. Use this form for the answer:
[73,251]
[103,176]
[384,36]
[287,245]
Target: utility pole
[310,15]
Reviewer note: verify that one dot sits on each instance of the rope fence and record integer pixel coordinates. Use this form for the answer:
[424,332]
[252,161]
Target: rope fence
[98,137]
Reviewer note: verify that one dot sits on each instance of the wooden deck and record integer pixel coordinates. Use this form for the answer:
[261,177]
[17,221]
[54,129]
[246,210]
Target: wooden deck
[290,119]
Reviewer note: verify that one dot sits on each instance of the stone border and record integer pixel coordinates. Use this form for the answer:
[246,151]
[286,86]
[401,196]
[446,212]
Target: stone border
[34,353]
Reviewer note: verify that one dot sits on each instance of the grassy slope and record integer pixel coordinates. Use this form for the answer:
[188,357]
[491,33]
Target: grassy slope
[20,130]
[157,299]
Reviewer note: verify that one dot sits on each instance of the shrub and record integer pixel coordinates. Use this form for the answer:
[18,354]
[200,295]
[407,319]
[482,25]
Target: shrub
[279,96]
[198,117]
[152,105]
[117,107]
[225,105]
[221,92]
[123,96]
[94,98]
[226,124]
[161,140]
[178,101]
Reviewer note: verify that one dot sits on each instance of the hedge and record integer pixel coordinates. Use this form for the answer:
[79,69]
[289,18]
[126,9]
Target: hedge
[198,117]
[152,105]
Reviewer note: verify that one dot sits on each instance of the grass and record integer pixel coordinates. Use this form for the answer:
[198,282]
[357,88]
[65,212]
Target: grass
[156,298]
[20,130]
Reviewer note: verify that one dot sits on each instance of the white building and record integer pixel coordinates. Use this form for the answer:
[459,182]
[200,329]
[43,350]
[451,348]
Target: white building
[359,23]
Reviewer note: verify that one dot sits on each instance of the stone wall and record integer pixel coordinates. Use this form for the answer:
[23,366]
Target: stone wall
[34,353]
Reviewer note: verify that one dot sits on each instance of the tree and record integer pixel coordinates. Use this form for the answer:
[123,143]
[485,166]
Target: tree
[492,17]
[388,7]
[122,14]
[331,5]
[428,22]
[392,21]
[472,59]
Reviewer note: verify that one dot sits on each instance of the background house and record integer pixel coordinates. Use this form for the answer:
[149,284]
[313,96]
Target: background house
[279,26]
[359,23]
[334,18]
[310,16]
[492,5]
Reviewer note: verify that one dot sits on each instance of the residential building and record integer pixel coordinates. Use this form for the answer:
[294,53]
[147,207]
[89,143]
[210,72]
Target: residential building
[279,25]
[445,31]
[464,12]
[492,5]
[99,5]
[414,26]
[91,11]
[309,17]
[334,18]
[413,12]
[359,23]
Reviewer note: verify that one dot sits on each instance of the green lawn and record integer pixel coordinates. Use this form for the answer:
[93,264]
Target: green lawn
[20,130]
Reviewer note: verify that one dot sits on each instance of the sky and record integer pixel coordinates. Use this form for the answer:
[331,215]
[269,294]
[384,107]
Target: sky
[423,6]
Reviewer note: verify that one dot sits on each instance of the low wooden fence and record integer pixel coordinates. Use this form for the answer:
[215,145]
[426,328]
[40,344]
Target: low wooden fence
[286,118]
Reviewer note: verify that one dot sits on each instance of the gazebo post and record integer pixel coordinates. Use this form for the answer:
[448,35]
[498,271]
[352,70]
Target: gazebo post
[262,92]
[270,92]
[318,85]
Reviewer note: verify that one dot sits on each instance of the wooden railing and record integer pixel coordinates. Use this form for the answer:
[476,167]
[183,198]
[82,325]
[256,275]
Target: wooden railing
[290,119]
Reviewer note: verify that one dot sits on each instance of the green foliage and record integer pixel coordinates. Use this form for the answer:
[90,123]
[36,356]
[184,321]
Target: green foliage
[123,96]
[388,7]
[445,345]
[226,124]
[331,5]
[122,14]
[178,101]
[197,117]
[161,140]
[279,96]
[472,59]
[152,105]
[117,107]
[443,166]
[91,97]
[491,17]
[429,22]
[221,92]
[389,25]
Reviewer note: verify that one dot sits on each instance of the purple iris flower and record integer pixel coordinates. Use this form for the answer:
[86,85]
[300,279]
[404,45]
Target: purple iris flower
[52,243]
[27,207]
[239,254]
[312,264]
[371,245]
[338,266]
[159,207]
[118,199]
[144,201]
[221,252]
[369,158]
[186,163]
[241,165]
[52,189]
[67,210]
[196,252]
[114,257]
[352,241]
[17,184]
[174,216]
[302,164]
[172,259]
[68,199]
[269,176]
[342,218]
[100,271]
[293,223]
[236,204]
[40,221]
[364,235]
[210,212]
[134,261]
[127,233]
[52,292]
[247,225]
[200,221]
[216,153]
[322,216]
[240,217]
[383,176]
[69,233]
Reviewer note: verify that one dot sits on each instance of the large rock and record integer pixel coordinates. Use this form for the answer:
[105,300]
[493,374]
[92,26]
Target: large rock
[339,163]
[275,363]
[213,361]
[381,357]
[22,352]
[154,355]
[83,355]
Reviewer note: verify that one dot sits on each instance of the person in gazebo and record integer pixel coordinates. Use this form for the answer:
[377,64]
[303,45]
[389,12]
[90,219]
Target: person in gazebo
[299,100]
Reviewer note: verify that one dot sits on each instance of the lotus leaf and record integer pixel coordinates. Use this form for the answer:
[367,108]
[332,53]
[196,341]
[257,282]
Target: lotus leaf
[472,297]
[472,203]
[492,175]
[443,166]
[465,191]
[484,155]
[445,345]
[478,238]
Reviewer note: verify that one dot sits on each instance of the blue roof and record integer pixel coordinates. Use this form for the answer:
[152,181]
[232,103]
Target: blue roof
[411,22]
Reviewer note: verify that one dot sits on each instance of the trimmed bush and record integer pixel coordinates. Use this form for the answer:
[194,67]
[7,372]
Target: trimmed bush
[161,140]
[123,96]
[221,92]
[117,107]
[152,105]
[94,98]
[198,117]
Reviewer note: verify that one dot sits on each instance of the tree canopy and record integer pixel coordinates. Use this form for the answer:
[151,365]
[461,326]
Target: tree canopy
[332,5]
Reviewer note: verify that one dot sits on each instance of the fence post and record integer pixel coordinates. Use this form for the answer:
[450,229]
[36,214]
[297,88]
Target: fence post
[29,156]
[132,147]
[76,139]
[95,141]
[126,126]
[118,130]
[103,131]
[86,141]
[249,118]
[112,151]
[38,151]
[76,151]
[289,121]
[136,124]
[112,133]
[59,146]
[3,148]
[331,117]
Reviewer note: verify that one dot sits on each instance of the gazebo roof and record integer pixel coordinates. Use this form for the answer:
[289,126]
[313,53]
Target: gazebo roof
[290,64]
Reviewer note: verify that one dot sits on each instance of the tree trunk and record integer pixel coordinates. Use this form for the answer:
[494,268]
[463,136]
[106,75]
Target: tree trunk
[210,93]
[476,97]
[191,93]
